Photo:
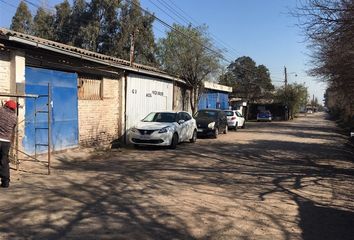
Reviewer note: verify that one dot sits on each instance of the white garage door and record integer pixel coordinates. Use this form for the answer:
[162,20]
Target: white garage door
[145,95]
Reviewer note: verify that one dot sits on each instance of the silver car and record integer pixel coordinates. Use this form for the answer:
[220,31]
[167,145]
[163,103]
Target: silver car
[164,129]
[235,119]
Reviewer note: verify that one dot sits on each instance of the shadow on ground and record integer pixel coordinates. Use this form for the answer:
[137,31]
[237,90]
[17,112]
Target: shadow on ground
[269,189]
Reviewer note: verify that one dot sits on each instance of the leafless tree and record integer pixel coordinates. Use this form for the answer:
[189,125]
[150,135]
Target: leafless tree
[329,27]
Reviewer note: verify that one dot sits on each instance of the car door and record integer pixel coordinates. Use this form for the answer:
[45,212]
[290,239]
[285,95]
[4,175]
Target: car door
[241,119]
[189,125]
[181,125]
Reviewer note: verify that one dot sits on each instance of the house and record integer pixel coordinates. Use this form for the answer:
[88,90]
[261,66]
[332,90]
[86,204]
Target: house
[215,96]
[93,98]
[90,92]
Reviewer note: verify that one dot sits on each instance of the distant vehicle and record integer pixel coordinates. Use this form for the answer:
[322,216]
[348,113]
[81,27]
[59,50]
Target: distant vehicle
[235,119]
[164,129]
[309,111]
[210,122]
[264,116]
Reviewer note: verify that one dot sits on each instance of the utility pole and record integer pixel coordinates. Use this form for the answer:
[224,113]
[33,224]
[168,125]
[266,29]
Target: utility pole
[313,103]
[132,45]
[285,93]
[285,77]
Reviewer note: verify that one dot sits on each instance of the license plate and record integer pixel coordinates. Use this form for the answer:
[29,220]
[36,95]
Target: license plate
[199,130]
[144,137]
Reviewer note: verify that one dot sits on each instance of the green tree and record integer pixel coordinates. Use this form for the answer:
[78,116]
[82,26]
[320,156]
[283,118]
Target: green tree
[293,96]
[78,18]
[62,25]
[43,24]
[133,23]
[99,25]
[185,52]
[22,20]
[248,80]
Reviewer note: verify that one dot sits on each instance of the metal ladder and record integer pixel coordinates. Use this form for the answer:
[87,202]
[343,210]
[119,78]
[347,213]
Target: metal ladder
[37,113]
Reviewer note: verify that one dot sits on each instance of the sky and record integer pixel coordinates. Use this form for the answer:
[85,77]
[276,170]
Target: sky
[261,29]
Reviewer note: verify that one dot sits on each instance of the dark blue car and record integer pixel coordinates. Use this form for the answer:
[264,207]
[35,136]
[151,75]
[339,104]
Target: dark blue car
[264,116]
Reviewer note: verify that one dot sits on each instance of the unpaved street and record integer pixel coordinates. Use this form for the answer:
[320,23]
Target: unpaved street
[279,180]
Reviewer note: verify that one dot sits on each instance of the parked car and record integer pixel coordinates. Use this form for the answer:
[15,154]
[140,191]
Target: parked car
[235,119]
[164,129]
[211,122]
[264,116]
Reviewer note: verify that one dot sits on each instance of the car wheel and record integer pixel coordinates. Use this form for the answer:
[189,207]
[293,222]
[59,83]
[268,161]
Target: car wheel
[226,130]
[244,125]
[194,137]
[174,141]
[236,126]
[216,133]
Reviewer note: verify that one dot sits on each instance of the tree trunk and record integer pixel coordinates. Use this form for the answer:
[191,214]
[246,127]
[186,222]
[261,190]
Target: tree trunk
[194,100]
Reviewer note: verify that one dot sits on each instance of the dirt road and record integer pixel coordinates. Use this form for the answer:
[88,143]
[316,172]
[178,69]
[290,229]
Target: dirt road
[279,180]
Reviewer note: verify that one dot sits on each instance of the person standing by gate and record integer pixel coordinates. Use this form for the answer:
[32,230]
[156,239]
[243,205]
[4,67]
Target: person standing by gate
[8,122]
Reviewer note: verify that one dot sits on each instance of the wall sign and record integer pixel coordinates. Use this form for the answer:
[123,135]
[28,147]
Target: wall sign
[157,93]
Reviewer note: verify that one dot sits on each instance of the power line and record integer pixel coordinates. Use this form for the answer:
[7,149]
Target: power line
[229,49]
[224,43]
[164,11]
[181,33]
[168,6]
[166,25]
[9,4]
[192,20]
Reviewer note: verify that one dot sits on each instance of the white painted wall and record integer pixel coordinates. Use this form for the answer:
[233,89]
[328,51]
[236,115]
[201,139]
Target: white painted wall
[145,95]
[5,71]
[12,80]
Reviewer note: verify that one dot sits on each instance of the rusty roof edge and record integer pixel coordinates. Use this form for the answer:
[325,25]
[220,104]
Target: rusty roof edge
[92,56]
[85,54]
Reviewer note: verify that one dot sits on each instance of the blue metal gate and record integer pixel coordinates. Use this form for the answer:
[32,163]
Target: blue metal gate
[211,99]
[64,114]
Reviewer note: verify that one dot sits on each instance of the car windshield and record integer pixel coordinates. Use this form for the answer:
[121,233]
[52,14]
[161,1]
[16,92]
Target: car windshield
[206,114]
[229,113]
[264,112]
[160,117]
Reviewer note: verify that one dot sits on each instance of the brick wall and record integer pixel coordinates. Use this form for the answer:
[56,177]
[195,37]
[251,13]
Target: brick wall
[99,119]
[5,72]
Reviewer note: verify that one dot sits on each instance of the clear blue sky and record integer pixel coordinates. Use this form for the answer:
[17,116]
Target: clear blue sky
[261,29]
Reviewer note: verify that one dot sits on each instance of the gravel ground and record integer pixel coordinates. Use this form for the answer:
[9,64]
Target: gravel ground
[278,180]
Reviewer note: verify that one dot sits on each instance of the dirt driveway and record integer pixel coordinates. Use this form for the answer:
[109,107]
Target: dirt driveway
[279,180]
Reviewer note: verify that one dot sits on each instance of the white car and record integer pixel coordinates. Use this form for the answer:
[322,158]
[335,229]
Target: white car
[164,129]
[235,119]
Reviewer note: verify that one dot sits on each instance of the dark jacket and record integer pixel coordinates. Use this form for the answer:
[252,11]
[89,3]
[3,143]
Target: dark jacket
[8,122]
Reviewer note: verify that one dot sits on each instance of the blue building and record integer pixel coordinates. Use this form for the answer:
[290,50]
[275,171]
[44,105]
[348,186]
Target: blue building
[215,96]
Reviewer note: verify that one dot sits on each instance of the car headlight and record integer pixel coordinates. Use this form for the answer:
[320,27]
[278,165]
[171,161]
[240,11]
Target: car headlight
[134,130]
[165,129]
[211,125]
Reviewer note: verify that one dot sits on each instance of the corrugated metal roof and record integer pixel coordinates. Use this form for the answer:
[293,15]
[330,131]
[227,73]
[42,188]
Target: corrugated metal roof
[217,87]
[77,51]
[96,57]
